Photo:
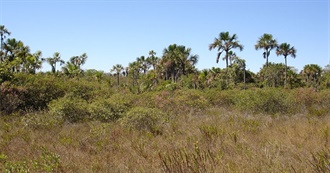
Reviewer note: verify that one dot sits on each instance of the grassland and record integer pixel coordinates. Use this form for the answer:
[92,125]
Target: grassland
[89,128]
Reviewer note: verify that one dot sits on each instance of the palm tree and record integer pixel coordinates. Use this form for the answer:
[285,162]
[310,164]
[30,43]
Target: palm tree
[267,43]
[117,69]
[225,43]
[312,72]
[152,59]
[144,64]
[53,60]
[11,48]
[177,60]
[79,60]
[285,49]
[3,33]
[33,62]
[134,70]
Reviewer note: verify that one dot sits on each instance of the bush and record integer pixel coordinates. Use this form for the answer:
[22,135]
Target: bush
[80,89]
[190,100]
[108,109]
[220,98]
[11,98]
[71,109]
[41,120]
[269,101]
[40,90]
[144,119]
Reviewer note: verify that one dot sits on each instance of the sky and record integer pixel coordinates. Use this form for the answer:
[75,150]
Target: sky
[117,32]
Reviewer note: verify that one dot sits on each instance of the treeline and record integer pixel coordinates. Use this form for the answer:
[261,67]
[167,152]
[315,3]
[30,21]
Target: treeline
[175,67]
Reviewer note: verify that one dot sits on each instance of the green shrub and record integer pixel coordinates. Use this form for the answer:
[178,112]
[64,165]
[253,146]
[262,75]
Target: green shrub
[11,98]
[41,120]
[71,109]
[40,90]
[108,109]
[80,89]
[269,101]
[220,98]
[190,100]
[144,119]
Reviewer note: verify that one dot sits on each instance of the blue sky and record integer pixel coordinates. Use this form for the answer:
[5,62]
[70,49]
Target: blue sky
[117,32]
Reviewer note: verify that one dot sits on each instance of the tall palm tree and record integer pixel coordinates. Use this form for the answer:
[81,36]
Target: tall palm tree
[267,43]
[152,59]
[224,43]
[133,71]
[52,61]
[285,49]
[3,33]
[11,48]
[144,64]
[117,69]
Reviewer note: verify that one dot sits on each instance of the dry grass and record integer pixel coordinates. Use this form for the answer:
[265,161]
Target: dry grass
[215,140]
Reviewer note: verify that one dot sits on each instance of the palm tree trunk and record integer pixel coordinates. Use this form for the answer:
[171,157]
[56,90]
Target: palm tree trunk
[226,67]
[244,78]
[117,79]
[285,75]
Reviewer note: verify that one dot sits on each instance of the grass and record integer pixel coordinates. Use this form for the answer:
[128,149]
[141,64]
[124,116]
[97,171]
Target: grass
[212,140]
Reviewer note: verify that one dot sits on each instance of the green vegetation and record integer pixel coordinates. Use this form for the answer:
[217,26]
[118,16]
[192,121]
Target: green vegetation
[161,114]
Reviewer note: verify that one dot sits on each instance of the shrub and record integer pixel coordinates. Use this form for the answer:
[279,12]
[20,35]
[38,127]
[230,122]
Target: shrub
[71,109]
[269,101]
[220,98]
[11,98]
[192,100]
[108,109]
[144,119]
[40,90]
[80,89]
[41,120]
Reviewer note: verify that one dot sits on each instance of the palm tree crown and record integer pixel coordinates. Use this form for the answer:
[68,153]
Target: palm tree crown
[225,43]
[285,49]
[267,43]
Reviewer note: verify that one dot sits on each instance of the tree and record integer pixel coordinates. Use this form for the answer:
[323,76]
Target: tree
[225,43]
[152,59]
[117,69]
[33,62]
[143,64]
[73,66]
[79,60]
[267,43]
[312,74]
[177,60]
[285,49]
[272,75]
[52,61]
[3,33]
[11,48]
[133,71]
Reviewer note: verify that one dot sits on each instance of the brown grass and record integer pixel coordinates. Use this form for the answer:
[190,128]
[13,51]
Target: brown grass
[214,140]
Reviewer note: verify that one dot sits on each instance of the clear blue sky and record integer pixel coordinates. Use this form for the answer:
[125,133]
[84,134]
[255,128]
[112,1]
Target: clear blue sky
[117,32]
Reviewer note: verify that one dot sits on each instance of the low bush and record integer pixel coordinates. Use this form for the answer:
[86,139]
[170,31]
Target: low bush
[144,119]
[11,98]
[190,100]
[269,101]
[220,98]
[71,109]
[109,109]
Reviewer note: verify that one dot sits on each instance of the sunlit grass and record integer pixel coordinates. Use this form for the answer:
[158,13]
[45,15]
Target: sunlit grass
[214,140]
